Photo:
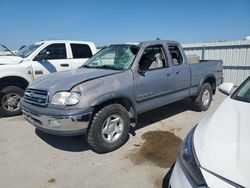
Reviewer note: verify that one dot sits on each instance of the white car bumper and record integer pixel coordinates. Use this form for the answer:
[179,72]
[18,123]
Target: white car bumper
[178,178]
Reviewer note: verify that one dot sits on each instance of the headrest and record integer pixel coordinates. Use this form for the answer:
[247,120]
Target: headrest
[149,55]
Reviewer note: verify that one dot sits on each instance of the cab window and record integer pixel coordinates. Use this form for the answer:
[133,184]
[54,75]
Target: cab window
[55,51]
[153,58]
[81,51]
[175,55]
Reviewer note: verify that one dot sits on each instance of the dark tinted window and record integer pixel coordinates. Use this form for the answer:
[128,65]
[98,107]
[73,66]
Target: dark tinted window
[55,51]
[81,51]
[175,55]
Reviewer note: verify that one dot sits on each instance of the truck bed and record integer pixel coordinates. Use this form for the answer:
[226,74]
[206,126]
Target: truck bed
[205,67]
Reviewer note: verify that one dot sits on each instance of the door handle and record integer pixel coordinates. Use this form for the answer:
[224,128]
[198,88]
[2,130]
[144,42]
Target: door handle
[177,72]
[168,74]
[64,65]
[38,72]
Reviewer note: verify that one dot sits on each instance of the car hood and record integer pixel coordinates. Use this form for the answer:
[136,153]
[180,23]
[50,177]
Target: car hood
[65,81]
[221,142]
[10,60]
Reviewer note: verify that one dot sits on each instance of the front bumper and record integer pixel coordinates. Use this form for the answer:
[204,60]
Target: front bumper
[57,121]
[178,177]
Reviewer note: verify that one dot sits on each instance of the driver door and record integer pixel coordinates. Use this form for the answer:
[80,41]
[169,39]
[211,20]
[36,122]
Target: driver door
[52,58]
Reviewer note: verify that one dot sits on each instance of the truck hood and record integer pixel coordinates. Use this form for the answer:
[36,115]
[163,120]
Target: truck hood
[221,142]
[64,81]
[10,60]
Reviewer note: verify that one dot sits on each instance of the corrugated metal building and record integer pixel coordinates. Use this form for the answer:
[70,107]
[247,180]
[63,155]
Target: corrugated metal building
[234,54]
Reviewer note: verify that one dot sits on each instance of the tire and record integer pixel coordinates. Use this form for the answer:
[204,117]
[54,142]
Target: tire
[110,120]
[9,101]
[203,100]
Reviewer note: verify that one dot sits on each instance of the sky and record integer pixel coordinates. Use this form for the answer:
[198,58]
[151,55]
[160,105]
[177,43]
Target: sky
[23,22]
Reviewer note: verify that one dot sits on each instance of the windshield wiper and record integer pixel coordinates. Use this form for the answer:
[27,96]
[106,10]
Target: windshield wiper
[85,66]
[102,67]
[243,99]
[110,67]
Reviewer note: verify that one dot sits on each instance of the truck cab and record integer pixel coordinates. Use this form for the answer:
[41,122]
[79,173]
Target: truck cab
[103,98]
[34,61]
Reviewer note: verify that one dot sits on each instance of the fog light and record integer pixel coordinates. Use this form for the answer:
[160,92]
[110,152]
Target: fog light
[54,123]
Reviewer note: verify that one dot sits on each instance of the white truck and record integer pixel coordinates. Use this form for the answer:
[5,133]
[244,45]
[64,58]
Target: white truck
[31,62]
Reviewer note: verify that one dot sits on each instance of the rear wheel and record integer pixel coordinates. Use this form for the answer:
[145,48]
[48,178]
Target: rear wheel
[203,100]
[10,101]
[109,128]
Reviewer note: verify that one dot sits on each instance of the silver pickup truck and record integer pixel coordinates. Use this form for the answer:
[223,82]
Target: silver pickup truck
[104,97]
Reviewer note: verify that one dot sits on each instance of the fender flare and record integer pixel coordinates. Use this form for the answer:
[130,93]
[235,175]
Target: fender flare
[28,78]
[112,96]
[3,82]
[203,81]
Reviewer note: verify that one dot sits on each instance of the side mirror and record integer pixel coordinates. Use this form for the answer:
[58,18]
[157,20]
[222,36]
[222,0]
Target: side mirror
[42,56]
[226,88]
[141,69]
[141,72]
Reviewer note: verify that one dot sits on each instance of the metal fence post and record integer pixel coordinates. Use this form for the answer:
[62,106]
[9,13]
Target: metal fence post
[203,53]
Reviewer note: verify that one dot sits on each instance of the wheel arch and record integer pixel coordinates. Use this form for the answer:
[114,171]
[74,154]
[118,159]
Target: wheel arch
[111,99]
[13,81]
[210,78]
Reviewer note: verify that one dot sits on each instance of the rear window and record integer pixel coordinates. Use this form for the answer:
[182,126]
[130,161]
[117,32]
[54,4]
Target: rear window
[175,55]
[81,51]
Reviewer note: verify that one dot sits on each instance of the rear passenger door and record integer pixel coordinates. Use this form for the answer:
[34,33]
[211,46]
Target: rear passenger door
[80,53]
[56,60]
[181,71]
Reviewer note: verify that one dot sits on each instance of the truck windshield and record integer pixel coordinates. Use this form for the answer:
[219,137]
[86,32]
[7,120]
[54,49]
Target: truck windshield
[243,92]
[26,51]
[118,57]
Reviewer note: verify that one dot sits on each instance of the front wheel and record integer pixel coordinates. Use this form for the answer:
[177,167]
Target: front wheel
[109,128]
[203,100]
[10,101]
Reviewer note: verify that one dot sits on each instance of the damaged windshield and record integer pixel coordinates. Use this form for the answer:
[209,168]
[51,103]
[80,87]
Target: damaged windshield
[26,51]
[118,57]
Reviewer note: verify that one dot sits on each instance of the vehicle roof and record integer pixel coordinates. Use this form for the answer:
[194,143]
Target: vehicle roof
[153,42]
[63,41]
[159,42]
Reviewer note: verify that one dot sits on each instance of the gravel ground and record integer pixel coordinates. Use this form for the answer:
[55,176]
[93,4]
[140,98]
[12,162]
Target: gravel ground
[30,158]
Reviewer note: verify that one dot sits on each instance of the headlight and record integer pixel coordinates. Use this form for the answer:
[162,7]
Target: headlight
[189,162]
[65,98]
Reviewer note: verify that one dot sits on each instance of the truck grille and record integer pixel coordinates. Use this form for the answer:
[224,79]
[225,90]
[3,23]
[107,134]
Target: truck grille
[35,96]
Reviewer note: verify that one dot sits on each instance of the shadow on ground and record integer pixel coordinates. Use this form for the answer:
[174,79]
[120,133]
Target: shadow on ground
[162,113]
[66,143]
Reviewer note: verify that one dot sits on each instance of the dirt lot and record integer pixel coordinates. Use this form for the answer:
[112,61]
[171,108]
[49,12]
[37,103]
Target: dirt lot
[30,158]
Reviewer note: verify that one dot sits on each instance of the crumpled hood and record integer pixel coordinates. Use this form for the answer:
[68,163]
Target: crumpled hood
[221,141]
[10,60]
[64,81]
